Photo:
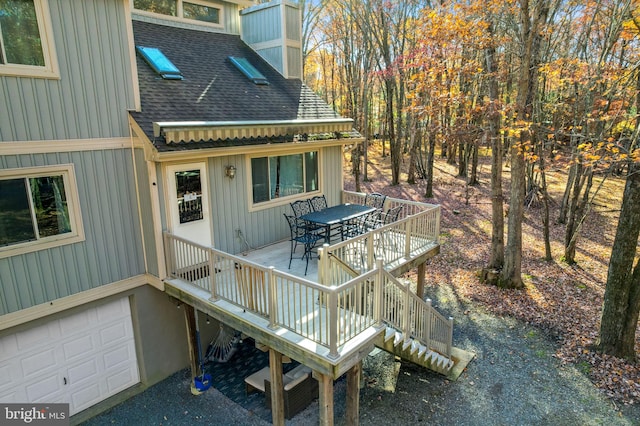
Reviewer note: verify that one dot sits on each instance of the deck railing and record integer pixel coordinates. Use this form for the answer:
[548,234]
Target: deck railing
[413,234]
[416,318]
[327,315]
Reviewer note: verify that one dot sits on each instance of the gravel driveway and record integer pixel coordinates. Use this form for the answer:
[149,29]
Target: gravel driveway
[513,380]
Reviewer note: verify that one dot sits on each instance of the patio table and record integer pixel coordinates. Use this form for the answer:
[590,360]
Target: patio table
[336,215]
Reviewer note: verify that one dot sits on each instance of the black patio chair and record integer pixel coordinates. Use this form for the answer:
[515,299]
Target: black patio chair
[319,202]
[300,208]
[391,215]
[302,235]
[375,199]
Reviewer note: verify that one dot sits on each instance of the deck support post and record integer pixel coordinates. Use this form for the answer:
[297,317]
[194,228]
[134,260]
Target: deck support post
[277,388]
[420,287]
[190,322]
[325,399]
[353,394]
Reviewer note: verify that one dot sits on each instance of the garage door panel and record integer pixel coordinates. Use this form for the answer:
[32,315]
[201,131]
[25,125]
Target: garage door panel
[79,346]
[38,363]
[116,310]
[46,388]
[111,334]
[78,322]
[82,372]
[120,380]
[116,357]
[37,337]
[6,375]
[85,396]
[8,347]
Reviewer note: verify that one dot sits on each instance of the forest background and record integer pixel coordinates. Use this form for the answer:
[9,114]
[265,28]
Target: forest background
[547,92]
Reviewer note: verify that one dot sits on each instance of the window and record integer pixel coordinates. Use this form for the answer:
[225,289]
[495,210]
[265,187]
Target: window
[38,209]
[26,41]
[198,10]
[159,63]
[284,175]
[248,70]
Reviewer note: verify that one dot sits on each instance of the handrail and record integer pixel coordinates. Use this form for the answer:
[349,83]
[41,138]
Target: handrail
[330,316]
[417,319]
[327,315]
[394,243]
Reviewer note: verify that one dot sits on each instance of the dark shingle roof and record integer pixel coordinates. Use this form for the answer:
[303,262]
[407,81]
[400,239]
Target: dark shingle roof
[213,89]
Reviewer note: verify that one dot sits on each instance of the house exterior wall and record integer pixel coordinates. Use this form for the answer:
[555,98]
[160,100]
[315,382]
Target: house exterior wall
[230,203]
[112,249]
[95,88]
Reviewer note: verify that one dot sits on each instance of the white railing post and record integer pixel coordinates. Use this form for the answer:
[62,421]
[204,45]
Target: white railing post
[273,300]
[370,254]
[437,236]
[212,275]
[332,305]
[169,255]
[450,337]
[378,294]
[428,324]
[323,263]
[406,327]
[407,240]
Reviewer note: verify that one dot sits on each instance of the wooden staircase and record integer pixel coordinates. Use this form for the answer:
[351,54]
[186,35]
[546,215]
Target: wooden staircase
[412,350]
[414,330]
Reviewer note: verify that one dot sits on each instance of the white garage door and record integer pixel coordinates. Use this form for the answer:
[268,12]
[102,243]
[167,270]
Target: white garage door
[81,359]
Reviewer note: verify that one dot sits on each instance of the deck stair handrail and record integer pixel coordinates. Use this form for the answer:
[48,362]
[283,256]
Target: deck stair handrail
[414,322]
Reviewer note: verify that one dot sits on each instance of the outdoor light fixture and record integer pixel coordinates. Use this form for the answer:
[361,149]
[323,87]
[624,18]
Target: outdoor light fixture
[230,171]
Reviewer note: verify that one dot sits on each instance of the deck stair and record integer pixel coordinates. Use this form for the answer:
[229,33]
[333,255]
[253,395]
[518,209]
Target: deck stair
[414,351]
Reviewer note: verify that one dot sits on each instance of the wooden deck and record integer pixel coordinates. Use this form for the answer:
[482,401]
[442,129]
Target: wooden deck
[330,318]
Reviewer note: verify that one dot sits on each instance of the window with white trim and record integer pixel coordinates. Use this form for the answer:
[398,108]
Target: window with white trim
[281,176]
[26,40]
[198,10]
[38,209]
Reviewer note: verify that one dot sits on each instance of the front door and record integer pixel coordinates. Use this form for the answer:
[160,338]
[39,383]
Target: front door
[189,202]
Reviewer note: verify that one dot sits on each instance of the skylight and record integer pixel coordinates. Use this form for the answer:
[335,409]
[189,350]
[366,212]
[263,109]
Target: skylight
[248,70]
[160,63]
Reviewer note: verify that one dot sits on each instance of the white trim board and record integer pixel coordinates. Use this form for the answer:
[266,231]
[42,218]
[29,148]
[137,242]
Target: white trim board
[39,311]
[66,145]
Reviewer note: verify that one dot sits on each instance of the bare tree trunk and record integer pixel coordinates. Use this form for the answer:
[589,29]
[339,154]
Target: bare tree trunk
[573,172]
[416,141]
[428,193]
[355,163]
[511,274]
[496,262]
[622,295]
[545,205]
[473,178]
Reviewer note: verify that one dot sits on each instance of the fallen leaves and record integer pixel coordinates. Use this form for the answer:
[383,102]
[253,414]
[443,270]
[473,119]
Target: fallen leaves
[563,301]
